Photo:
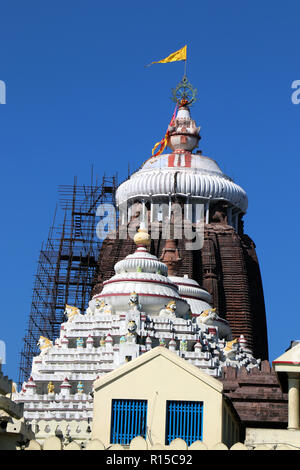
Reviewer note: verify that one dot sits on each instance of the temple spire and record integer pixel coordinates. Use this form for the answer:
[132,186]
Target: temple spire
[170,257]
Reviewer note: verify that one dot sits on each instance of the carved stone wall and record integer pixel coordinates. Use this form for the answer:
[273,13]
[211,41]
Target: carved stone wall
[256,396]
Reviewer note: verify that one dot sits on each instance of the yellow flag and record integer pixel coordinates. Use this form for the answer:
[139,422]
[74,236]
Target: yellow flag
[178,55]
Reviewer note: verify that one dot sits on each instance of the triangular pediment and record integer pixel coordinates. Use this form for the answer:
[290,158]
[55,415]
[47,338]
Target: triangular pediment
[152,355]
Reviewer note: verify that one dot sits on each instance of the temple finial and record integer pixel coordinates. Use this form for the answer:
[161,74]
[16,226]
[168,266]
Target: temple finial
[142,237]
[184,94]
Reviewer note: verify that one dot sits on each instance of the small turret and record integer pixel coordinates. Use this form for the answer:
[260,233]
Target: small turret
[183,134]
[30,386]
[148,343]
[65,387]
[89,342]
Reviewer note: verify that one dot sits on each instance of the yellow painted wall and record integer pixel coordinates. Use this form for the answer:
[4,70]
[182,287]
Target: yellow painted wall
[157,381]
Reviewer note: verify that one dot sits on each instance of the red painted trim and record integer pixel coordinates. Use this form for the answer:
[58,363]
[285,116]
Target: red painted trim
[179,160]
[285,362]
[109,281]
[189,285]
[145,295]
[147,259]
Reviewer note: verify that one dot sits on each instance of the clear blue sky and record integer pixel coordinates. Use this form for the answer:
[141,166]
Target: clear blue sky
[78,94]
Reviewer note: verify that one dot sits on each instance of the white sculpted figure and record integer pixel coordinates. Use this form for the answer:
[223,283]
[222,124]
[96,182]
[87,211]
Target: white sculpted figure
[72,312]
[102,307]
[230,348]
[131,332]
[90,310]
[210,317]
[133,303]
[169,311]
[98,306]
[44,344]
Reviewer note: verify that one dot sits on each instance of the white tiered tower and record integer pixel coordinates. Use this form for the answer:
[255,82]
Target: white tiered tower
[193,177]
[139,308]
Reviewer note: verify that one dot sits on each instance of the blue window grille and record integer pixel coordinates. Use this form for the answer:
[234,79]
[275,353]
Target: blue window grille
[185,420]
[128,420]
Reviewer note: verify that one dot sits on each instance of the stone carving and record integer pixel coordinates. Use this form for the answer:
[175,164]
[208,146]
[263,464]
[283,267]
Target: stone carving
[98,306]
[131,332]
[72,312]
[210,317]
[207,317]
[80,387]
[183,345]
[133,303]
[169,311]
[103,307]
[50,388]
[44,344]
[90,310]
[230,349]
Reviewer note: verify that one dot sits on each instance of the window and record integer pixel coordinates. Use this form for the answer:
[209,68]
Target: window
[184,420]
[128,420]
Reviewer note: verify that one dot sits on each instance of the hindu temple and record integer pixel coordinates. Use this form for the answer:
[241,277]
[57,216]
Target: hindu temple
[178,283]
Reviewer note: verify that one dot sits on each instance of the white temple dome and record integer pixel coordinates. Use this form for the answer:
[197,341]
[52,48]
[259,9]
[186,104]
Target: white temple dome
[143,260]
[196,176]
[182,173]
[144,275]
[197,297]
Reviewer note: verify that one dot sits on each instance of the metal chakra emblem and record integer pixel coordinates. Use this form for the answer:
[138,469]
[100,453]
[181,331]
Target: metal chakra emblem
[184,92]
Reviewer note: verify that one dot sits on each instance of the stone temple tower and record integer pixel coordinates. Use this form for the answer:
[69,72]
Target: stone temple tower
[226,264]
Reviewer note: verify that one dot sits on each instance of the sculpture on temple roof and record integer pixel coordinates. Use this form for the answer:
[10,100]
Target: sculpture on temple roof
[99,305]
[90,310]
[80,387]
[207,316]
[210,317]
[72,312]
[183,345]
[133,303]
[44,344]
[169,310]
[79,342]
[50,388]
[131,332]
[103,307]
[230,349]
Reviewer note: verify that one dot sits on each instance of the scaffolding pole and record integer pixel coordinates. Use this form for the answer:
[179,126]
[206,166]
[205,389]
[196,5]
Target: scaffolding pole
[67,263]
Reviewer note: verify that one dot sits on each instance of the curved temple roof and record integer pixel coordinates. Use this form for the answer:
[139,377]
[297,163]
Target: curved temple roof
[182,173]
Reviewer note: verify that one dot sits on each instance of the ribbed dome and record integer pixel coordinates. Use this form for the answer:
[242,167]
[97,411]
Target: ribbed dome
[144,275]
[182,174]
[198,298]
[141,259]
